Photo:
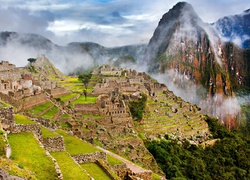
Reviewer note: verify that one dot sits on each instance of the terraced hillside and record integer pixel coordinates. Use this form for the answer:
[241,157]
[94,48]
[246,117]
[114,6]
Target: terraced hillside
[70,125]
[168,114]
[32,158]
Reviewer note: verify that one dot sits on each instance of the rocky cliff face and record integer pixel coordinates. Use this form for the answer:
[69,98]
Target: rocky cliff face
[190,56]
[235,28]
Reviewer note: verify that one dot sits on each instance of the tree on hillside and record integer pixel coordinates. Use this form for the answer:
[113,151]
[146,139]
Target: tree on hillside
[85,79]
[137,107]
[31,60]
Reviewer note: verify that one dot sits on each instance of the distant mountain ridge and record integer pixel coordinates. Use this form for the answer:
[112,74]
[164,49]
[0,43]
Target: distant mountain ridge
[70,58]
[235,28]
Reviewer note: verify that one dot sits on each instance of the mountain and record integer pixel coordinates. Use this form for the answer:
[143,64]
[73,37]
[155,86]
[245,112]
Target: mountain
[103,54]
[17,48]
[190,58]
[235,28]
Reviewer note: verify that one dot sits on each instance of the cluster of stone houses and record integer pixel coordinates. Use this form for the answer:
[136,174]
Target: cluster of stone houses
[17,84]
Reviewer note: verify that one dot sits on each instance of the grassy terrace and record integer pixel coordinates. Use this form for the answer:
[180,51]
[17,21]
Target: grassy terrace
[92,116]
[46,133]
[2,143]
[69,168]
[89,100]
[76,146]
[50,113]
[40,108]
[21,119]
[113,161]
[68,97]
[28,154]
[95,171]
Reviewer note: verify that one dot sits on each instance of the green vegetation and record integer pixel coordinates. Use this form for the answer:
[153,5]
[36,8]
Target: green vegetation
[113,161]
[2,143]
[27,152]
[4,104]
[21,119]
[69,168]
[83,100]
[92,116]
[95,171]
[68,97]
[229,158]
[137,107]
[47,133]
[85,79]
[76,146]
[40,108]
[13,169]
[50,113]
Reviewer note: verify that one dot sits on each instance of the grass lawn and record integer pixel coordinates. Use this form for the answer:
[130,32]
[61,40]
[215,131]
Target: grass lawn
[113,161]
[21,119]
[69,168]
[46,133]
[72,80]
[40,108]
[89,100]
[27,153]
[50,113]
[95,171]
[68,97]
[76,146]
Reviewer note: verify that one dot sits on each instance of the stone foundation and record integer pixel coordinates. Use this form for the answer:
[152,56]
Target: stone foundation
[35,128]
[54,144]
[92,157]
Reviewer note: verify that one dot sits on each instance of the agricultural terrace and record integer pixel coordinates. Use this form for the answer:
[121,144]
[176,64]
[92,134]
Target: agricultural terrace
[41,108]
[46,133]
[69,168]
[28,154]
[95,171]
[87,100]
[21,119]
[50,113]
[76,146]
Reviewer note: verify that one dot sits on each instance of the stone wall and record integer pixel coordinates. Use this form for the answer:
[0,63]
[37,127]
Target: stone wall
[146,175]
[92,157]
[106,169]
[122,171]
[87,109]
[57,92]
[54,144]
[45,122]
[35,128]
[7,118]
[32,101]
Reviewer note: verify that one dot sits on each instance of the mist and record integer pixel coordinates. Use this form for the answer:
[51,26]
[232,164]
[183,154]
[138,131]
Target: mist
[65,59]
[216,106]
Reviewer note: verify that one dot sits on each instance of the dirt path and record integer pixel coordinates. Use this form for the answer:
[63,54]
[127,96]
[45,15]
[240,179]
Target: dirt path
[134,168]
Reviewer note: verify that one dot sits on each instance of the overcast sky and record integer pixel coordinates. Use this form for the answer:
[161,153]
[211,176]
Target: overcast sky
[107,22]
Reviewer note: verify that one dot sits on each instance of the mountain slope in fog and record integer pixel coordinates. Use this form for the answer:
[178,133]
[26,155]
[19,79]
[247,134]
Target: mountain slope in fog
[235,28]
[190,58]
[17,48]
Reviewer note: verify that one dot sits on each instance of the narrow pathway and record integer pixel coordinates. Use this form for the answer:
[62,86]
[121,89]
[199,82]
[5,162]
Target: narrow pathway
[134,168]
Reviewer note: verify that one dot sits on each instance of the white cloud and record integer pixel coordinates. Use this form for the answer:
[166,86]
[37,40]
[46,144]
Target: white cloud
[138,19]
